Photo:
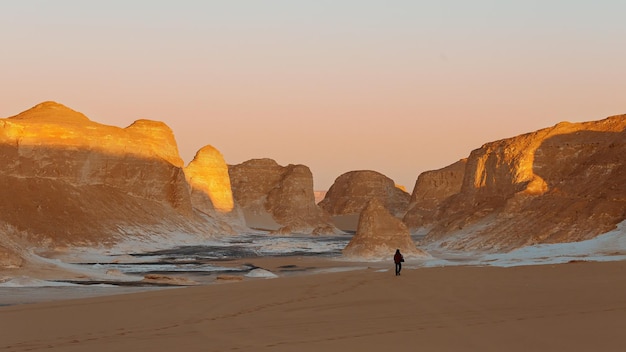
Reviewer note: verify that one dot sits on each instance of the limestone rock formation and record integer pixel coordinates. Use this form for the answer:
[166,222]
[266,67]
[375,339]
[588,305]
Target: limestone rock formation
[560,184]
[431,189]
[211,192]
[351,192]
[68,180]
[278,198]
[379,234]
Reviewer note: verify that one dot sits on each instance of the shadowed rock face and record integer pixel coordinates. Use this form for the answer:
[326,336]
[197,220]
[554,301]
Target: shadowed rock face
[431,189]
[560,184]
[68,180]
[351,192]
[379,234]
[278,198]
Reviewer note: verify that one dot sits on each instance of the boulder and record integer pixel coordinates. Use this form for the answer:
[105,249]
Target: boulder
[379,234]
[278,198]
[351,192]
[261,273]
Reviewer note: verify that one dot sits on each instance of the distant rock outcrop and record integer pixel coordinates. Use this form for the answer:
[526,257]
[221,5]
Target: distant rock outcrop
[351,192]
[319,196]
[379,234]
[560,184]
[68,180]
[278,198]
[431,189]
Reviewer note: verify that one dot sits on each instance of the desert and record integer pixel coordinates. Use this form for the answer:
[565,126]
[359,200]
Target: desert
[109,242]
[567,307]
[312,175]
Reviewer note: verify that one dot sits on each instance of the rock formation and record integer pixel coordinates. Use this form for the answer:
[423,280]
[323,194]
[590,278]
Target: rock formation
[68,180]
[431,189]
[278,198]
[560,184]
[211,193]
[319,196]
[351,192]
[379,234]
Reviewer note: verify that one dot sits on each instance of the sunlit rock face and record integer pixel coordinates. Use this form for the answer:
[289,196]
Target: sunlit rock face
[50,123]
[66,179]
[559,184]
[278,198]
[351,192]
[211,193]
[208,175]
[51,141]
[431,189]
[379,234]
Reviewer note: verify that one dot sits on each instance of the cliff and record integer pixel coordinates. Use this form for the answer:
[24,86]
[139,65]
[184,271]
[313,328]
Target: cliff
[67,180]
[431,189]
[560,184]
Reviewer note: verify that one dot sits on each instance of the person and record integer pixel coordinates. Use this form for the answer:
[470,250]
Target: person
[398,259]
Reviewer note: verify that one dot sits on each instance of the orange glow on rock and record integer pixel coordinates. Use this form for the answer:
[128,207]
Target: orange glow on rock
[208,173]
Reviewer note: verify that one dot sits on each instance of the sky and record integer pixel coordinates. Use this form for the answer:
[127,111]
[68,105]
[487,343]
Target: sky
[398,87]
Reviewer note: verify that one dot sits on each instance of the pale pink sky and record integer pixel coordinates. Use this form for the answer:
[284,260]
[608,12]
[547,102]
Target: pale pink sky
[398,87]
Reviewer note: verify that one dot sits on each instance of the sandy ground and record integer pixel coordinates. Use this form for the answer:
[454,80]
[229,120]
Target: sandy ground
[568,307]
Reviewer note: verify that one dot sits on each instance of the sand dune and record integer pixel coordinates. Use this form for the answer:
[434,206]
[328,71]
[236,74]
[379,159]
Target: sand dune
[568,307]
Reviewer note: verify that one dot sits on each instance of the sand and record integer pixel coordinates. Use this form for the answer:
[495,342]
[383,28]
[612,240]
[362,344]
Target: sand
[567,307]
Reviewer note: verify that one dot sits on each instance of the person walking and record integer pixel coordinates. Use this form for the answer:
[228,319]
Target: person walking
[398,259]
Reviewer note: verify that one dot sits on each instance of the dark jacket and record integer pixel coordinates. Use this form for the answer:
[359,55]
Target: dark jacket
[397,257]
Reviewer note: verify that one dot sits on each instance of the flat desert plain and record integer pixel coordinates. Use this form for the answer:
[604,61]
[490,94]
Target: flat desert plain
[568,307]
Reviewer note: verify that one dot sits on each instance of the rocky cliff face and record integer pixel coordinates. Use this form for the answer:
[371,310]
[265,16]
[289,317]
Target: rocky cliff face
[68,180]
[379,234]
[431,189]
[278,198]
[560,184]
[351,192]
